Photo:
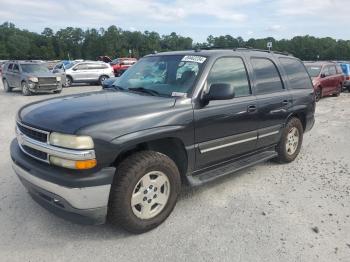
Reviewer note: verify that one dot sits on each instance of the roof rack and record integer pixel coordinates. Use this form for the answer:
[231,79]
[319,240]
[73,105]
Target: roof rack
[262,50]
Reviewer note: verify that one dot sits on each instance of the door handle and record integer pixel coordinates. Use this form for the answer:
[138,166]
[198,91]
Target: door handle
[251,109]
[285,102]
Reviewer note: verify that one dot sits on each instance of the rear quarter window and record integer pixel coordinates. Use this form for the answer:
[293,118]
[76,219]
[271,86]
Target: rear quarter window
[296,73]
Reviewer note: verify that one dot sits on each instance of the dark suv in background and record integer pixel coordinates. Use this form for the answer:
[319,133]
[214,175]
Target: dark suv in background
[122,153]
[30,77]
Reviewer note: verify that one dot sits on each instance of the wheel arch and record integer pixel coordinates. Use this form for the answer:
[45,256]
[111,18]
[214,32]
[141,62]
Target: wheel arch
[173,147]
[300,115]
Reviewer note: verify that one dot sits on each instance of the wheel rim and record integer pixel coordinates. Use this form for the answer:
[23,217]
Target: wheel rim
[68,81]
[24,88]
[150,195]
[292,141]
[103,78]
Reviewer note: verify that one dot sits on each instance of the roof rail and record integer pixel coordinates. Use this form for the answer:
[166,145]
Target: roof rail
[262,50]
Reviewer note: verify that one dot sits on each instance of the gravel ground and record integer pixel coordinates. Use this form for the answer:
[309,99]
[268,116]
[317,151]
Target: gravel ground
[270,212]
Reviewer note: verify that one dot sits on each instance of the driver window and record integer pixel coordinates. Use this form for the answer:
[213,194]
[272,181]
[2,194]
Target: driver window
[15,68]
[230,70]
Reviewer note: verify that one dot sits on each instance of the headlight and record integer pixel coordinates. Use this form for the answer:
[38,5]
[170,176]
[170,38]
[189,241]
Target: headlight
[33,79]
[58,78]
[71,141]
[72,164]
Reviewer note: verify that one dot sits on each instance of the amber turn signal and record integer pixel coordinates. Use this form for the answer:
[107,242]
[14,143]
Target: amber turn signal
[85,164]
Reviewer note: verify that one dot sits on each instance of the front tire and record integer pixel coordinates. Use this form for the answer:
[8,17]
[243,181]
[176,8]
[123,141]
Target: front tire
[144,191]
[291,140]
[25,89]
[101,79]
[7,88]
[69,81]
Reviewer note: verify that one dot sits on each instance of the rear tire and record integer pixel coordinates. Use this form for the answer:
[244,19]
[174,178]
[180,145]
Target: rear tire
[291,140]
[25,89]
[7,88]
[133,201]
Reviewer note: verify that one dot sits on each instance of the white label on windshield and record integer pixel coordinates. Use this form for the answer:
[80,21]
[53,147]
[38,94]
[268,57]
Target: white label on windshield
[194,58]
[179,94]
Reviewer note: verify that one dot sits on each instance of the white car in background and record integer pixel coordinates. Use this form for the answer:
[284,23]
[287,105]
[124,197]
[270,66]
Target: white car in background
[88,72]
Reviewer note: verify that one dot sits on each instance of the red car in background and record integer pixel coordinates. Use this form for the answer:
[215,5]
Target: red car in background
[327,78]
[120,65]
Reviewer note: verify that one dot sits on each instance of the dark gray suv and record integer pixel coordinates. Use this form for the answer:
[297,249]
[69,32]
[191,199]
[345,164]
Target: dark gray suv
[31,77]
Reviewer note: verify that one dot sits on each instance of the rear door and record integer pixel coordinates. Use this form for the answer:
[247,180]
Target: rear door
[335,79]
[273,99]
[225,129]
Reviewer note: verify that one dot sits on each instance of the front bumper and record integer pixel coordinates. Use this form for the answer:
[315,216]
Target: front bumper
[82,200]
[43,88]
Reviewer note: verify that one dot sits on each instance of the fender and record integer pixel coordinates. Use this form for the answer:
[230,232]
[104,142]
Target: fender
[184,133]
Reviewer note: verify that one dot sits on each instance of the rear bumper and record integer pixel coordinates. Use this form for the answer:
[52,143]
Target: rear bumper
[84,203]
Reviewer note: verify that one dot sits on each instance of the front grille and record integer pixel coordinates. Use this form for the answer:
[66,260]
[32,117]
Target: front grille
[47,80]
[35,153]
[34,134]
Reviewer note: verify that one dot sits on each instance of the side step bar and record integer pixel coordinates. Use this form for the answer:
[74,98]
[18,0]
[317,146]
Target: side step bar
[229,168]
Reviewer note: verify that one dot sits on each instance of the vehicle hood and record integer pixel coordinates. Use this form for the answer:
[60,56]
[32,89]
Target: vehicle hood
[69,114]
[42,74]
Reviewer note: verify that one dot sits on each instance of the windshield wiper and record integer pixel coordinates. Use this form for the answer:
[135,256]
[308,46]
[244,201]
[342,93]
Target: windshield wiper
[145,90]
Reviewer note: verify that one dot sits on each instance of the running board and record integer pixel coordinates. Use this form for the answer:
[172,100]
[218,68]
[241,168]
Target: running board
[231,167]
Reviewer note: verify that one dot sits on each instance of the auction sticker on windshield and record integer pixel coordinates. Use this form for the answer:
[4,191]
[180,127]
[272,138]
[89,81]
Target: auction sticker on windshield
[194,58]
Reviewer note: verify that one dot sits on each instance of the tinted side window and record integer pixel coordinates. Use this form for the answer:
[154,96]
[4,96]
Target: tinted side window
[296,73]
[10,67]
[267,77]
[96,66]
[230,70]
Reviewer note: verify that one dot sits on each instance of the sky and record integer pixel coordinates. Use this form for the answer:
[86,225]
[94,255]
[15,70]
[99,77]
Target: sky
[196,19]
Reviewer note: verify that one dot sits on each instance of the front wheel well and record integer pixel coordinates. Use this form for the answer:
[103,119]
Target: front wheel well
[171,147]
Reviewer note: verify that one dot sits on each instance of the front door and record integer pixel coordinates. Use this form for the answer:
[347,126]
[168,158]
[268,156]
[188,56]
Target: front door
[225,129]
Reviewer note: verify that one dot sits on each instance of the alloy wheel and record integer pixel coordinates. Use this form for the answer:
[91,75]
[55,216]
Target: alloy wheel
[150,195]
[292,141]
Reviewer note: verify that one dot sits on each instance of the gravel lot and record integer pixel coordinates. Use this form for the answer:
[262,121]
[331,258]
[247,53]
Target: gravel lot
[270,212]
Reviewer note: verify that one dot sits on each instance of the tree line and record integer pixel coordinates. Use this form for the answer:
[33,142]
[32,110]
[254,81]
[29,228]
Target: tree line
[76,43]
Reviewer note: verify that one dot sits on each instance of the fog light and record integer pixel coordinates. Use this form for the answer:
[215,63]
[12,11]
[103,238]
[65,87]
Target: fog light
[72,164]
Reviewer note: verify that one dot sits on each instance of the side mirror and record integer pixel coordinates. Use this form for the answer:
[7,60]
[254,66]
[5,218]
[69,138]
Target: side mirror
[323,75]
[220,91]
[75,69]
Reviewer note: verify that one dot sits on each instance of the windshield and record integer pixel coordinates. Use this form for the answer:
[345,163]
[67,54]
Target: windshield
[34,68]
[314,71]
[172,75]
